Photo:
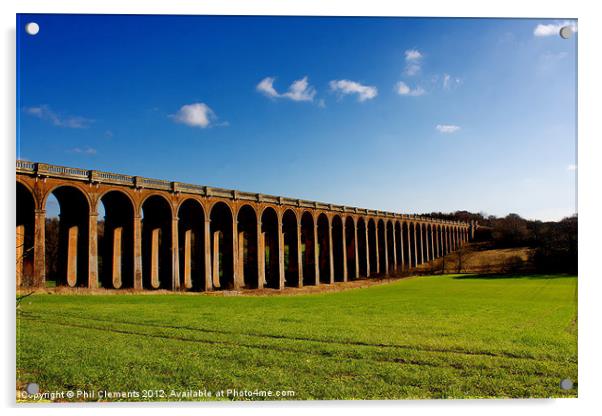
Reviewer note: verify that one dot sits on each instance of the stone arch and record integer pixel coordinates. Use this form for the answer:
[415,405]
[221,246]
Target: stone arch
[372,244]
[25,234]
[446,238]
[122,191]
[427,242]
[338,253]
[413,245]
[382,247]
[191,244]
[419,244]
[222,246]
[157,244]
[248,250]
[362,247]
[308,245]
[351,249]
[436,240]
[73,245]
[291,251]
[391,243]
[269,207]
[116,240]
[76,186]
[399,246]
[269,236]
[324,248]
[407,245]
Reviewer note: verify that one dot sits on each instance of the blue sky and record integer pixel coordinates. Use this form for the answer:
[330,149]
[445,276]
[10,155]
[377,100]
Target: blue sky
[410,115]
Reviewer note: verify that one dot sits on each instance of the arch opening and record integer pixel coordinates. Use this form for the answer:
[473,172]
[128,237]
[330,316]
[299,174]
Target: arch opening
[351,249]
[337,248]
[361,247]
[372,239]
[247,246]
[399,246]
[291,250]
[156,243]
[191,245]
[429,243]
[222,247]
[382,246]
[308,247]
[413,246]
[419,243]
[391,255]
[324,248]
[25,234]
[116,241]
[405,236]
[67,238]
[269,240]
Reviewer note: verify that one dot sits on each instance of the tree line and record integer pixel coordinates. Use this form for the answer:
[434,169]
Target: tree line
[555,242]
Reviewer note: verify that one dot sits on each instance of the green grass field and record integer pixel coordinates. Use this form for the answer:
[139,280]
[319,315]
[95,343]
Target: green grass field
[425,337]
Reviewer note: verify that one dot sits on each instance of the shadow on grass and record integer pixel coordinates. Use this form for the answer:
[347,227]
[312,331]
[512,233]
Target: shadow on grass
[530,276]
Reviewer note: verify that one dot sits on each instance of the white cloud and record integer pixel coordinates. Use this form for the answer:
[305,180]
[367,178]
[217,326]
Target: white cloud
[345,87]
[299,90]
[413,55]
[194,115]
[447,128]
[552,29]
[403,89]
[44,112]
[413,59]
[85,151]
[450,82]
[266,86]
[446,78]
[571,167]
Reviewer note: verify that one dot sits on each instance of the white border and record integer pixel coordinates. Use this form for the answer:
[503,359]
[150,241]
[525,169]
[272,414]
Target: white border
[589,200]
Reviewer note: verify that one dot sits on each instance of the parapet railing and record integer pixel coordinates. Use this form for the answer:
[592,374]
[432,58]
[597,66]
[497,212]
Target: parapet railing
[95,176]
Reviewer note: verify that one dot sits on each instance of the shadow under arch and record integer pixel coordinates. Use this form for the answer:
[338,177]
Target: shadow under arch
[25,234]
[308,245]
[157,262]
[116,241]
[73,245]
[350,246]
[269,238]
[222,246]
[291,250]
[248,251]
[191,245]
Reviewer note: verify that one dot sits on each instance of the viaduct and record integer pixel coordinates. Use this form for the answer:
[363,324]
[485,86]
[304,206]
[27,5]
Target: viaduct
[176,236]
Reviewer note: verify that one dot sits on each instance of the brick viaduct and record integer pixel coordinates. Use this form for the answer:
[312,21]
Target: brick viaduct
[176,236]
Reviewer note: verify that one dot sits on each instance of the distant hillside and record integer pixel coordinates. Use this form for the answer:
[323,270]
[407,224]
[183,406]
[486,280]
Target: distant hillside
[482,258]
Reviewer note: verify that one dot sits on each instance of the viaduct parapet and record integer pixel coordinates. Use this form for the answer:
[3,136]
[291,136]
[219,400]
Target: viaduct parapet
[171,235]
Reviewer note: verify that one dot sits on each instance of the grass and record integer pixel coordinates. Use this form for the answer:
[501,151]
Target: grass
[426,337]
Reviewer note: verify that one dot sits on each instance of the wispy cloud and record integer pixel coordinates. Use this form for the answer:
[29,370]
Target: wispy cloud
[450,82]
[403,89]
[299,90]
[447,128]
[195,115]
[413,58]
[571,167]
[346,87]
[553,29]
[44,112]
[84,151]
